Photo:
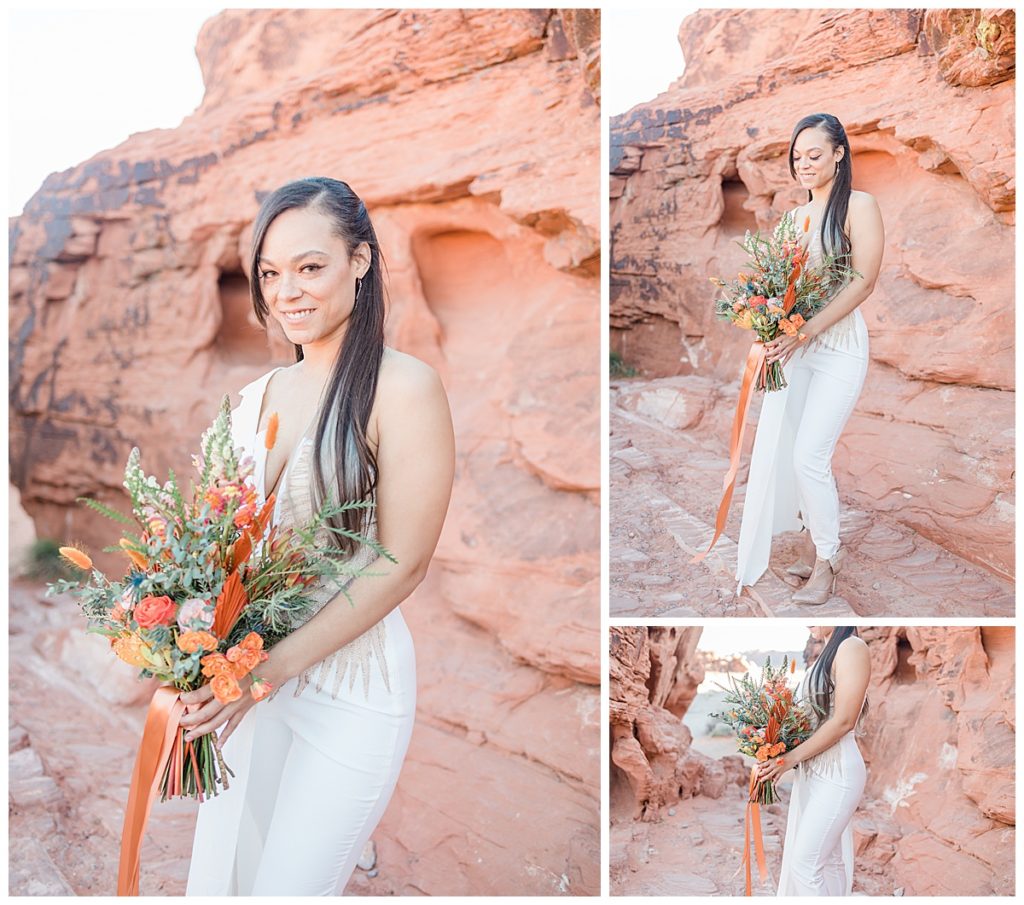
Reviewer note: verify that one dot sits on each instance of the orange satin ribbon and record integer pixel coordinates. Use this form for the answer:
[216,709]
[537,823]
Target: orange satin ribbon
[155,749]
[753,822]
[755,365]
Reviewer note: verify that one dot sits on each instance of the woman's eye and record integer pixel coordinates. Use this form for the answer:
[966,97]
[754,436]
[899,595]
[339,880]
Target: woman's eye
[312,268]
[267,274]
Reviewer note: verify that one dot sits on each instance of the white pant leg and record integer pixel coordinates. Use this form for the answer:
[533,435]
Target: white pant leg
[315,775]
[818,844]
[329,802]
[835,381]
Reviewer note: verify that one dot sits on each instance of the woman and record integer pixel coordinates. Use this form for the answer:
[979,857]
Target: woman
[817,857]
[315,765]
[790,483]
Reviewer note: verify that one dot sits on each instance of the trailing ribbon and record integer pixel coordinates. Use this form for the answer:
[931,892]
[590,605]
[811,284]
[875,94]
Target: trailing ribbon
[753,821]
[158,741]
[755,365]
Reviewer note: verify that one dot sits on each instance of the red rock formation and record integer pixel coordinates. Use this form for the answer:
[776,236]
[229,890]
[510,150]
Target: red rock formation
[939,741]
[695,167]
[654,677]
[472,135]
[938,813]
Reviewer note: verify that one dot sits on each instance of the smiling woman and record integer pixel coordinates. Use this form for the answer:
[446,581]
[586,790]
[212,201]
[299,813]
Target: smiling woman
[381,433]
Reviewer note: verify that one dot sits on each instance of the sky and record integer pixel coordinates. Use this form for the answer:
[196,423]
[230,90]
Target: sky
[736,635]
[82,81]
[640,54]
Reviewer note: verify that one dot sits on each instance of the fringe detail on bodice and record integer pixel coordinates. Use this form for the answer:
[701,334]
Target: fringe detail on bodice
[359,654]
[842,335]
[827,764]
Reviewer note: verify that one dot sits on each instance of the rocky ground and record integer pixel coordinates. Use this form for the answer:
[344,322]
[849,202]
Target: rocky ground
[666,474]
[697,850]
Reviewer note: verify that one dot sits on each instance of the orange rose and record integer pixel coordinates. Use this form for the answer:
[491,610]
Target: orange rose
[797,321]
[786,326]
[225,688]
[244,661]
[762,753]
[190,642]
[252,641]
[152,611]
[216,665]
[260,688]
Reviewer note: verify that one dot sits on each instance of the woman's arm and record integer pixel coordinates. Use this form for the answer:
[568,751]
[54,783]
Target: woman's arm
[853,672]
[415,469]
[867,241]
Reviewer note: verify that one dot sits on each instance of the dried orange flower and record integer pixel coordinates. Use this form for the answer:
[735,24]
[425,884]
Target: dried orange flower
[271,437]
[76,557]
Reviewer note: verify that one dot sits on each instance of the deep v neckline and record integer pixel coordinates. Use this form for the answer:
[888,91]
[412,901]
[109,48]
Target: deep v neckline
[292,456]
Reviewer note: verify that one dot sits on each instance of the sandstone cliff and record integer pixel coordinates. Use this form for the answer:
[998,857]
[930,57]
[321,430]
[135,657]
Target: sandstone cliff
[473,137]
[927,98]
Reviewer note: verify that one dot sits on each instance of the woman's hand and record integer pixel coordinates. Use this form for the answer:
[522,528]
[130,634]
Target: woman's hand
[783,347]
[774,768]
[206,713]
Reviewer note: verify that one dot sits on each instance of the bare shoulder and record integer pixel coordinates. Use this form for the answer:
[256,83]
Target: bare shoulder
[853,649]
[403,376]
[863,204]
[408,390]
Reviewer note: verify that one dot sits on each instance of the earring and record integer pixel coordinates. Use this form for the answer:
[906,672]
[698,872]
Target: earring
[359,287]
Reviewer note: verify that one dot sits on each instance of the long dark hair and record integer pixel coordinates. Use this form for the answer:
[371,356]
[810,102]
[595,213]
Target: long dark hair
[348,397]
[819,678]
[833,226]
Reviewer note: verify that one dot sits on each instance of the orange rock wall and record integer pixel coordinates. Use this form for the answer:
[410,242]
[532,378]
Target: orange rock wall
[473,137]
[927,98]
[653,680]
[939,741]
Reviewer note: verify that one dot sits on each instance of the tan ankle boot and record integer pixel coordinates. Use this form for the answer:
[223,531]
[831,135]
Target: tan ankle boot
[822,584]
[804,566]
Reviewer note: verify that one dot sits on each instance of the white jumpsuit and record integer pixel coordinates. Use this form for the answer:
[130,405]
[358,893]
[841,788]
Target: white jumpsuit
[790,483]
[817,856]
[315,765]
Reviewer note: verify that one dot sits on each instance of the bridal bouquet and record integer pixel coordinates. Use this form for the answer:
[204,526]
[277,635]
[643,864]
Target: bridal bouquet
[766,720]
[207,588]
[778,292]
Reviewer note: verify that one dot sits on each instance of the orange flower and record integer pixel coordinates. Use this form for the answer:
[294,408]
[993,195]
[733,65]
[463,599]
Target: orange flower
[762,753]
[271,437]
[797,321]
[76,557]
[216,665]
[787,327]
[151,611]
[225,688]
[190,642]
[130,648]
[252,641]
[243,661]
[260,688]
[807,222]
[745,321]
[792,663]
[138,560]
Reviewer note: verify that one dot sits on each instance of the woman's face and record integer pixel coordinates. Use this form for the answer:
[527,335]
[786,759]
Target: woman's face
[307,276]
[821,632]
[814,158]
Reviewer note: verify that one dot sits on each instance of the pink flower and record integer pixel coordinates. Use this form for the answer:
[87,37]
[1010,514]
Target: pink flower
[195,615]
